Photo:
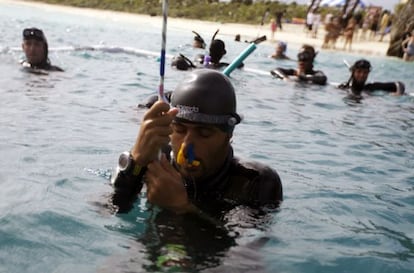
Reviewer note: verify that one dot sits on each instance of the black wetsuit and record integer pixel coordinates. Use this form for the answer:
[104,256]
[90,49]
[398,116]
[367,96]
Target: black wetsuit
[313,76]
[43,66]
[356,89]
[236,183]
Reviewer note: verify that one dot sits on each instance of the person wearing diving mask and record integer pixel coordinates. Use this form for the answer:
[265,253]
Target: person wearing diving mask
[197,169]
[304,71]
[36,50]
[357,82]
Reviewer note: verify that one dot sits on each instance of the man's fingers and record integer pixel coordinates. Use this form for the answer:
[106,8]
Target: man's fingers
[158,109]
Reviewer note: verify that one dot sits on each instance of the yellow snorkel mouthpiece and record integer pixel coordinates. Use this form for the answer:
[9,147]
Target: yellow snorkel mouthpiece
[185,156]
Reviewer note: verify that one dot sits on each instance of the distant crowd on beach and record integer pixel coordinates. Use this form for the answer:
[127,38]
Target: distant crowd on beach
[372,24]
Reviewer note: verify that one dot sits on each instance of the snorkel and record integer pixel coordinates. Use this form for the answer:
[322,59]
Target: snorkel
[199,39]
[186,157]
[216,51]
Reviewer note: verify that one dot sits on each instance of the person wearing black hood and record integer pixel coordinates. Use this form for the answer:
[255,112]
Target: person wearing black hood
[217,51]
[197,171]
[198,193]
[304,72]
[35,48]
[357,82]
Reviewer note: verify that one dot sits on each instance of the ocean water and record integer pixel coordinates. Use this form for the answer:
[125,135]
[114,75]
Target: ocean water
[347,168]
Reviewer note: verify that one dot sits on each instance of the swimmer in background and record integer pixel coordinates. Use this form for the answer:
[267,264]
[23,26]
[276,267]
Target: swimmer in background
[280,52]
[198,41]
[304,72]
[357,82]
[36,50]
[217,51]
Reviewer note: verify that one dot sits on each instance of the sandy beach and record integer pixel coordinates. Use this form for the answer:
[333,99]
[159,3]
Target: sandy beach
[293,34]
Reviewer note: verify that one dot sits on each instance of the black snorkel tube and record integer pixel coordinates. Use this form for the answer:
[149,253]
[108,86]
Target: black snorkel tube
[199,38]
[214,35]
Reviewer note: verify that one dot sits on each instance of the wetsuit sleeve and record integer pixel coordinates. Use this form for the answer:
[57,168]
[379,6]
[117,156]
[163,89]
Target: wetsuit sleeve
[317,78]
[126,188]
[282,73]
[386,86]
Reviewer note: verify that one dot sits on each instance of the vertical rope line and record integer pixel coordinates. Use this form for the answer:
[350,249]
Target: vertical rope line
[161,95]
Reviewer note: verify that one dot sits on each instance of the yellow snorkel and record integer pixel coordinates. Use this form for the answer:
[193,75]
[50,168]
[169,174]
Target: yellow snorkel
[185,156]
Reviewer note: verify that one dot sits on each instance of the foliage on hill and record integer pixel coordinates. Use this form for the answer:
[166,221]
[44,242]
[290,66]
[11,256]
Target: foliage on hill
[237,11]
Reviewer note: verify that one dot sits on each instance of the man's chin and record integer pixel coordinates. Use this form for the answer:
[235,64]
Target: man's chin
[193,171]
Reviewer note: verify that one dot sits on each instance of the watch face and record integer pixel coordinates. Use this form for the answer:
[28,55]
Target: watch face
[124,161]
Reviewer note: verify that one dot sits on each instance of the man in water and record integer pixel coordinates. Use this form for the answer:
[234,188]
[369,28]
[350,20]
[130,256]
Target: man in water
[35,48]
[217,50]
[304,72]
[184,155]
[357,82]
[280,52]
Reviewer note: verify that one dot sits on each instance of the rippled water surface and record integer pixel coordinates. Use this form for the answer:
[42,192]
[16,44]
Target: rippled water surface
[346,168]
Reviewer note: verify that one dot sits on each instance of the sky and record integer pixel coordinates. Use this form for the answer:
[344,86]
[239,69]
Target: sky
[386,4]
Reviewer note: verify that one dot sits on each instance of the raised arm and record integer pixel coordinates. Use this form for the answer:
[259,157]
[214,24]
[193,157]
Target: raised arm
[153,135]
[282,73]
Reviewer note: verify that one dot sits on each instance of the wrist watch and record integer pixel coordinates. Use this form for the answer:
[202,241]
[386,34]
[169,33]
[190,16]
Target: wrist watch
[126,164]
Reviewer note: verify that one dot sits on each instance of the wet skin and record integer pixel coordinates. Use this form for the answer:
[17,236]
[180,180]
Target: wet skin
[34,51]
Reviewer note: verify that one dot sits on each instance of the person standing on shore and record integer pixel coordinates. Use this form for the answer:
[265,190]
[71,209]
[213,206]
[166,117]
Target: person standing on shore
[272,29]
[316,23]
[384,24]
[309,22]
[279,16]
[349,33]
[408,48]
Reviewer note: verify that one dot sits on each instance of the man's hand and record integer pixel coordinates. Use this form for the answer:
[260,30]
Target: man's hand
[154,133]
[165,187]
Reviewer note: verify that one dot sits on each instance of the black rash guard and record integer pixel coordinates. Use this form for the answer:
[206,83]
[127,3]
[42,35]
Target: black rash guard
[389,87]
[43,66]
[385,86]
[237,183]
[313,76]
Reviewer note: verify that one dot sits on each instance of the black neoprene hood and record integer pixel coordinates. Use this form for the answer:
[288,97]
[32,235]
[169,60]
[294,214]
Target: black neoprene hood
[206,96]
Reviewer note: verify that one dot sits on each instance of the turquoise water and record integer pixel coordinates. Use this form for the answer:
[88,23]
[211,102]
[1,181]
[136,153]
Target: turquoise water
[347,169]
